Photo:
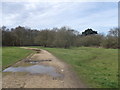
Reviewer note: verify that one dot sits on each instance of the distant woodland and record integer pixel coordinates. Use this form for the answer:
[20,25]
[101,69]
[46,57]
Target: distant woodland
[63,37]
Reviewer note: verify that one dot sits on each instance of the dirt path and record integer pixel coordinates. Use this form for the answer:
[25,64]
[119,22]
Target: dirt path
[60,77]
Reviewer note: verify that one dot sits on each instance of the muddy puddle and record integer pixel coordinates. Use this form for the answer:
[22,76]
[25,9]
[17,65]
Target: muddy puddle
[37,50]
[35,69]
[35,62]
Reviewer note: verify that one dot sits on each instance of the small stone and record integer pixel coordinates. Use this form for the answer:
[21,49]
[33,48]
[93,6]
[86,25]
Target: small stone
[62,81]
[62,70]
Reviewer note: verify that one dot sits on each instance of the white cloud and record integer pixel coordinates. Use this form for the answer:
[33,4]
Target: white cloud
[52,13]
[105,18]
[61,1]
[56,14]
[0,14]
[30,6]
[10,19]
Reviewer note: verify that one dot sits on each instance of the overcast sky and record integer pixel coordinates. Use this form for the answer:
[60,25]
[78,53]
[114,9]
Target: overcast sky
[100,16]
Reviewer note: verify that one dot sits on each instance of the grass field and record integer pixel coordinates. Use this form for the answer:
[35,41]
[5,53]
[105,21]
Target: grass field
[98,67]
[10,55]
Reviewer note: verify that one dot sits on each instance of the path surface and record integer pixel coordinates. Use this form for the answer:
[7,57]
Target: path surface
[28,80]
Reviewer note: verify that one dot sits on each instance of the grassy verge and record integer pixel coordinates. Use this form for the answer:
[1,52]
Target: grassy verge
[98,67]
[11,55]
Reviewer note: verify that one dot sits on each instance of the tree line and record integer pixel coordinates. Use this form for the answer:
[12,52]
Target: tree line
[63,37]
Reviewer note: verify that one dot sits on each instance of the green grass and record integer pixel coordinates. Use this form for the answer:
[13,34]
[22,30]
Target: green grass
[11,55]
[97,67]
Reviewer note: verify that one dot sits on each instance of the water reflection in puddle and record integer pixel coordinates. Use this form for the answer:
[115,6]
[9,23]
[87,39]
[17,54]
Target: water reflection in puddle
[35,69]
[35,62]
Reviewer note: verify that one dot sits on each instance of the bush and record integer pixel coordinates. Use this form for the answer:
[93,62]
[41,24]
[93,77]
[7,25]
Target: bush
[110,42]
[90,40]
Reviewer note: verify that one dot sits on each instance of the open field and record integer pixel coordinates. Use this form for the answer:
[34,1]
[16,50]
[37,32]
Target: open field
[10,55]
[98,67]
